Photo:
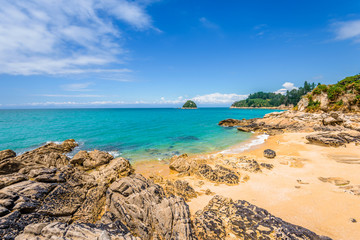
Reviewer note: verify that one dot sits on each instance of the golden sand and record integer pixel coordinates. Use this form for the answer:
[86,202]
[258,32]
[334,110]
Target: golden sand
[292,189]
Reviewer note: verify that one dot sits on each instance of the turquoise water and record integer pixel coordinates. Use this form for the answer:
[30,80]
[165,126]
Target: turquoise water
[137,134]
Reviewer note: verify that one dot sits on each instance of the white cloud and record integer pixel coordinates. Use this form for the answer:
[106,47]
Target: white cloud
[216,98]
[77,87]
[71,96]
[208,24]
[288,86]
[347,30]
[65,37]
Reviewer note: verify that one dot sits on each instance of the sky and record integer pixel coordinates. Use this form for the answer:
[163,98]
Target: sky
[159,53]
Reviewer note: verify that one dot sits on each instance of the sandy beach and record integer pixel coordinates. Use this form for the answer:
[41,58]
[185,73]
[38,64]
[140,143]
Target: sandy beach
[292,190]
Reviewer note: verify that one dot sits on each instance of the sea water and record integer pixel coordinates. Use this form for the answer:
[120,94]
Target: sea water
[136,134]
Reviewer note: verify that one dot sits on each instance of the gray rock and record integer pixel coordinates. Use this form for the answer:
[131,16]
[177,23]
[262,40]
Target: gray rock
[223,216]
[268,153]
[145,209]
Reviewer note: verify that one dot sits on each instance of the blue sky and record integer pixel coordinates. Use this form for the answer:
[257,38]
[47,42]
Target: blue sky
[146,53]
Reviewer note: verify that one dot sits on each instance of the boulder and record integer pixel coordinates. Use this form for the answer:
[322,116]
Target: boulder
[91,160]
[268,153]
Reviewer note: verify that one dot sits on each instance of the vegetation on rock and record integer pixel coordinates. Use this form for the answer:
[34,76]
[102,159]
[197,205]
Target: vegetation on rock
[269,99]
[344,96]
[189,104]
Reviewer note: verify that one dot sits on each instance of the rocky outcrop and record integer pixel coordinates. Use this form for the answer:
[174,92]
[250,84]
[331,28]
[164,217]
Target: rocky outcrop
[268,153]
[83,231]
[219,175]
[179,188]
[144,208]
[91,160]
[224,218]
[230,122]
[296,121]
[334,139]
[49,195]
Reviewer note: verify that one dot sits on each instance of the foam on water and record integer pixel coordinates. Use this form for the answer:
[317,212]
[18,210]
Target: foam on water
[257,141]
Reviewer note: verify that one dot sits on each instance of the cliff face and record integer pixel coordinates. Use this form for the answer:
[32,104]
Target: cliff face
[342,96]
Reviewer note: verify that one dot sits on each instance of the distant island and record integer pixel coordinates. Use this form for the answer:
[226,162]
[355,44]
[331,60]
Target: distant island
[275,100]
[189,105]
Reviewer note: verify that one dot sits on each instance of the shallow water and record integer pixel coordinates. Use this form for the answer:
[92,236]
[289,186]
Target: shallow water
[137,134]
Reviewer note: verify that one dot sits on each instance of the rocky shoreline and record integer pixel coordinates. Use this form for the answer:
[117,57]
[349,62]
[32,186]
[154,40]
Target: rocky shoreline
[45,194]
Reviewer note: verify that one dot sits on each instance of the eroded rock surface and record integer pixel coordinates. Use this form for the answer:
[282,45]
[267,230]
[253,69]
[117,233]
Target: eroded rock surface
[296,121]
[224,218]
[144,208]
[334,139]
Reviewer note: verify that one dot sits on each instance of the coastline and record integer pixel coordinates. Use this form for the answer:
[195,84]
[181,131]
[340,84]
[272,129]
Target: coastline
[292,189]
[307,184]
[275,108]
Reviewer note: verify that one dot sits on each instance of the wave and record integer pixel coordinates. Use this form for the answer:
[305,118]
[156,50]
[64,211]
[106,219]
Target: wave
[260,139]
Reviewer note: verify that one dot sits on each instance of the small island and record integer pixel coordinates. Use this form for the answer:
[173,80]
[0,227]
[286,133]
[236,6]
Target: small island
[189,105]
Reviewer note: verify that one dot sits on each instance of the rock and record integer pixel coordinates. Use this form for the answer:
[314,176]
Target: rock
[6,180]
[146,211]
[332,121]
[179,188]
[180,163]
[220,174]
[184,164]
[63,201]
[223,217]
[353,220]
[334,139]
[47,189]
[335,180]
[49,155]
[10,165]
[268,166]
[90,160]
[58,230]
[5,154]
[353,189]
[244,163]
[229,122]
[268,153]
[302,104]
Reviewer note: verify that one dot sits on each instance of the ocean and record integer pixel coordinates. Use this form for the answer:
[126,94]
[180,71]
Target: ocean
[136,134]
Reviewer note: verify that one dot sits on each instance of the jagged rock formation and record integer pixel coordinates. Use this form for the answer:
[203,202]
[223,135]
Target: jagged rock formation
[224,218]
[52,195]
[143,206]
